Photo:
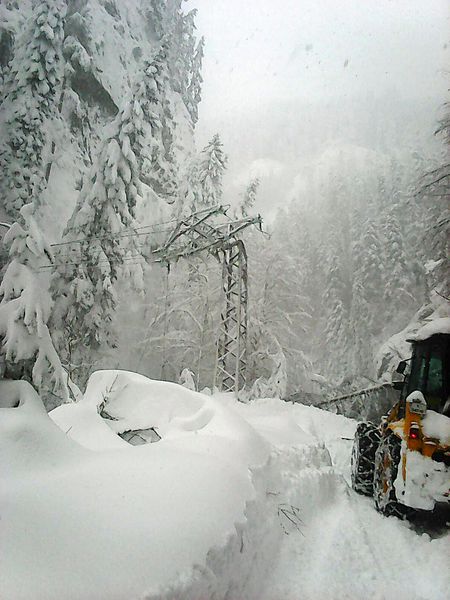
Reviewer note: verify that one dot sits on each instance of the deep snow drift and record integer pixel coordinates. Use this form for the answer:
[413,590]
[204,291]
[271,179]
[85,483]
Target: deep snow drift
[122,521]
[235,501]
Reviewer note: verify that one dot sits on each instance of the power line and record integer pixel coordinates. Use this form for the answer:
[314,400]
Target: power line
[79,257]
[110,237]
[219,209]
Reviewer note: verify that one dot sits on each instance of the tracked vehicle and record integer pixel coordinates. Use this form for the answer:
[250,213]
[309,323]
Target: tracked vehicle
[404,461]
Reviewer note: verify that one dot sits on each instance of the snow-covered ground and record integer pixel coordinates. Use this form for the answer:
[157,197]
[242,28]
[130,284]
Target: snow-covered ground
[236,501]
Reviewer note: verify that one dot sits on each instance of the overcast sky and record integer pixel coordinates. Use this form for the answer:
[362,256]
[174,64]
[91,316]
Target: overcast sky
[260,55]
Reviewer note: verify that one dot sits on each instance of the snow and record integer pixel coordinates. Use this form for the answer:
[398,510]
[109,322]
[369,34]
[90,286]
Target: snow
[126,521]
[136,402]
[426,481]
[437,426]
[441,325]
[417,402]
[235,501]
[350,551]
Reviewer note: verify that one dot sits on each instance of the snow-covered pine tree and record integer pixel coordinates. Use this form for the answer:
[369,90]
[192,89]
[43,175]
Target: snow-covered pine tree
[367,289]
[181,44]
[193,95]
[279,312]
[434,190]
[34,79]
[336,331]
[397,284]
[83,285]
[25,307]
[249,198]
[211,168]
[189,192]
[153,144]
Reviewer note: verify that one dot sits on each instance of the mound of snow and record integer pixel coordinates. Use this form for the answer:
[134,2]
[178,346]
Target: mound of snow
[131,402]
[437,426]
[127,521]
[427,481]
[200,514]
[441,325]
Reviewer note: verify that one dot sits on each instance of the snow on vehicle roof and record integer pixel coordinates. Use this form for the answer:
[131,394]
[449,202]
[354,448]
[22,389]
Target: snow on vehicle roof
[437,326]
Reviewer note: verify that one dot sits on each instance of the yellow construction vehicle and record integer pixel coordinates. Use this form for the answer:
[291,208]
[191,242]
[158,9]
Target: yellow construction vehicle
[404,462]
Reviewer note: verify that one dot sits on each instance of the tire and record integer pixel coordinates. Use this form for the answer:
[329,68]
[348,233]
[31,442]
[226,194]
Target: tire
[365,444]
[387,461]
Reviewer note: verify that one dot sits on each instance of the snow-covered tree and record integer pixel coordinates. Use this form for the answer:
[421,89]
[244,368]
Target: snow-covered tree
[25,307]
[336,329]
[249,197]
[273,385]
[211,167]
[34,80]
[367,290]
[397,282]
[279,308]
[189,191]
[88,269]
[153,143]
[193,95]
[434,192]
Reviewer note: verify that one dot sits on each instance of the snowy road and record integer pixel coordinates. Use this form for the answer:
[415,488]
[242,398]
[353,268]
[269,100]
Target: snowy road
[346,550]
[350,551]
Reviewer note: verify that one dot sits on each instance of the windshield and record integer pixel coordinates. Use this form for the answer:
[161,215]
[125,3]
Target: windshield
[429,373]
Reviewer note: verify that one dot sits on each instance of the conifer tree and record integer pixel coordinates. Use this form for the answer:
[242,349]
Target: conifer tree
[249,197]
[367,290]
[397,277]
[211,168]
[153,143]
[336,331]
[189,196]
[25,307]
[34,79]
[434,192]
[194,90]
[87,271]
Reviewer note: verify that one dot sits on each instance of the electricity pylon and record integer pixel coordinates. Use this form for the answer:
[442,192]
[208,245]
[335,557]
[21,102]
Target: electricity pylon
[199,233]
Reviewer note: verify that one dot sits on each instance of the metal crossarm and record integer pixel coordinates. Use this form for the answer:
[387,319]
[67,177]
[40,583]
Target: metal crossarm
[192,234]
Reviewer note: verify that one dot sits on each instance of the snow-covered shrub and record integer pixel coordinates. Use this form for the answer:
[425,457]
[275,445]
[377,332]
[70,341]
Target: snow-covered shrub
[273,386]
[187,379]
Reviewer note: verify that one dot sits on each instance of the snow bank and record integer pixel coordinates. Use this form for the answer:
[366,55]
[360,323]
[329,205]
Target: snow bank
[130,401]
[125,521]
[437,426]
[313,426]
[200,514]
[441,325]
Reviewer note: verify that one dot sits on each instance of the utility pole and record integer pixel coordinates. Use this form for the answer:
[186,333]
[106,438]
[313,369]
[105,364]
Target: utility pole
[197,233]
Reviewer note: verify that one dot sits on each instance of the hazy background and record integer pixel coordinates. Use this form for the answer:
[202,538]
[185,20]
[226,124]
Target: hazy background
[284,81]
